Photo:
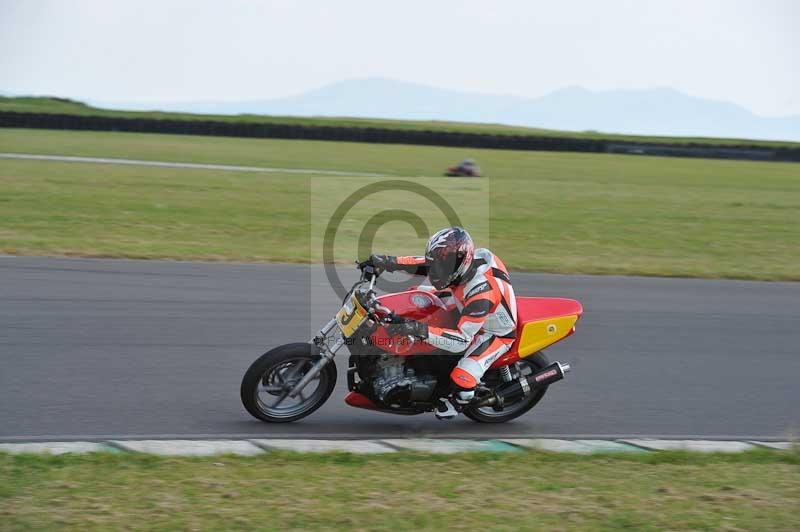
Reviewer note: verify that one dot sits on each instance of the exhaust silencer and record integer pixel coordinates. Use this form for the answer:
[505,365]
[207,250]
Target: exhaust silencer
[526,385]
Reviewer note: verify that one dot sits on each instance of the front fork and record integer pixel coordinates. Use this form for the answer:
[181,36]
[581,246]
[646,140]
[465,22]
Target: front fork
[327,352]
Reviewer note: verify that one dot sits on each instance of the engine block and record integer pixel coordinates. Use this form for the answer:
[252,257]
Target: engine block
[397,385]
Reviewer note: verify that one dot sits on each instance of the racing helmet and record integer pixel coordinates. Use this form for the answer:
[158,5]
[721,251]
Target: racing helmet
[448,256]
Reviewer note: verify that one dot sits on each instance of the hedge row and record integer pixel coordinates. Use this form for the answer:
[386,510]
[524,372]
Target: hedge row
[388,136]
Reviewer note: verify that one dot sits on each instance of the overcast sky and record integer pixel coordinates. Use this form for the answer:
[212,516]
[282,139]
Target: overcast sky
[746,52]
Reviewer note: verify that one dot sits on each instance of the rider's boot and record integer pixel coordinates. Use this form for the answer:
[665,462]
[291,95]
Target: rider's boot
[463,397]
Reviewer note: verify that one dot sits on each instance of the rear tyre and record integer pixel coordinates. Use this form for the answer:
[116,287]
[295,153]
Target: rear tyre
[266,384]
[487,414]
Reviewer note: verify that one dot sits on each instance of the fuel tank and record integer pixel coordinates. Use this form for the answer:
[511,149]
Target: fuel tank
[416,305]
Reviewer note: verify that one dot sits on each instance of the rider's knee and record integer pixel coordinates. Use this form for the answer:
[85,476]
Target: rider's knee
[467,374]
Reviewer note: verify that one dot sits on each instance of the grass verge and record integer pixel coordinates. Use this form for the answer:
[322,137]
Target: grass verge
[548,212]
[757,490]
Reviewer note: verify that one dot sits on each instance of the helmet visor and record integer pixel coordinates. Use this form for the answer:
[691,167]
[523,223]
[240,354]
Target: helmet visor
[442,270]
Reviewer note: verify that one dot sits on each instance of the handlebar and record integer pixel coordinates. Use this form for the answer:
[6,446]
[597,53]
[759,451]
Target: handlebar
[370,275]
[367,271]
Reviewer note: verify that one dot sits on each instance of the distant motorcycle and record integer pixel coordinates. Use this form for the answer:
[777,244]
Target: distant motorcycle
[404,375]
[466,168]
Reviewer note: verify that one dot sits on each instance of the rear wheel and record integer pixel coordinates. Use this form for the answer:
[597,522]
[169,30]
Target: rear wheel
[267,383]
[525,366]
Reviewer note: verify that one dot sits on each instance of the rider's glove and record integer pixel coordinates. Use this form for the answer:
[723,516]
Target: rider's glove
[378,262]
[408,328]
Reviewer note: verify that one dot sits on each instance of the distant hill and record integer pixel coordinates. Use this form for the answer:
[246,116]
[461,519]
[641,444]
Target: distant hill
[634,112]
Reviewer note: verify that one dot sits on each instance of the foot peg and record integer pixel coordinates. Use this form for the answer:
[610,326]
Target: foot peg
[445,410]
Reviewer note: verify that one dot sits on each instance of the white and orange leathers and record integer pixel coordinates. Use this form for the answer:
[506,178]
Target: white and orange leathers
[487,324]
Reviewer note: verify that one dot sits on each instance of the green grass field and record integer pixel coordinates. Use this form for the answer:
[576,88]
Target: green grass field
[548,212]
[63,106]
[758,490]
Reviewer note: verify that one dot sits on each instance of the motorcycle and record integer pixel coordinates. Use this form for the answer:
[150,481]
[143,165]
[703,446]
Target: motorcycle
[467,168]
[405,375]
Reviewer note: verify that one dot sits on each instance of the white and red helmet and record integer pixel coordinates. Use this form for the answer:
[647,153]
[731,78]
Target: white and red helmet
[448,256]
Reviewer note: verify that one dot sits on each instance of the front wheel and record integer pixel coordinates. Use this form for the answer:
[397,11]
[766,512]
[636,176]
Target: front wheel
[267,383]
[526,366]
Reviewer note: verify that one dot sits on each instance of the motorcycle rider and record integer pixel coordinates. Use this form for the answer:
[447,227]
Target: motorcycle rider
[474,281]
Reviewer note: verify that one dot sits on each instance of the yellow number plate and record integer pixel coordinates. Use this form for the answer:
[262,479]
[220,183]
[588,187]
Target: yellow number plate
[351,316]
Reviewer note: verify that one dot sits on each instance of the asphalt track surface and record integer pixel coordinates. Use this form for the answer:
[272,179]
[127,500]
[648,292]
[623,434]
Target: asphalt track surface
[93,349]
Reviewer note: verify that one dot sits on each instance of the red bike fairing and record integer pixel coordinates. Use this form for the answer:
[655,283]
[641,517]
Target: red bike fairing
[417,305]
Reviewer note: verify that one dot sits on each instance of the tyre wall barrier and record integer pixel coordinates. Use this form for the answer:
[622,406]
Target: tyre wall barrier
[390,136]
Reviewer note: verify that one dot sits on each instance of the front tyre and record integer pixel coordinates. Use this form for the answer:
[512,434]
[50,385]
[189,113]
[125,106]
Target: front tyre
[526,366]
[266,384]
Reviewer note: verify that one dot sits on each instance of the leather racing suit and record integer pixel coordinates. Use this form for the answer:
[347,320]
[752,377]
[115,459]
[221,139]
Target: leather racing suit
[487,322]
